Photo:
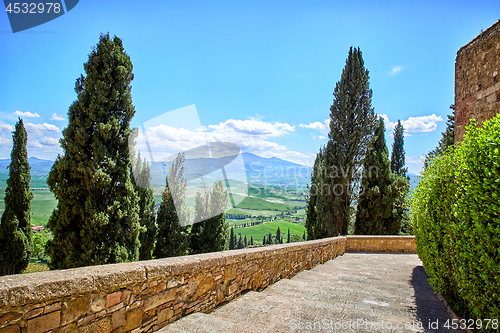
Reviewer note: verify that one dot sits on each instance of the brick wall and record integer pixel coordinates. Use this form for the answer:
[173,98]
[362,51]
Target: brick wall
[477,80]
[145,296]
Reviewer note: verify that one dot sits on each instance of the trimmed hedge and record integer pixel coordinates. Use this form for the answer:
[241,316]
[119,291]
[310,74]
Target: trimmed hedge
[456,218]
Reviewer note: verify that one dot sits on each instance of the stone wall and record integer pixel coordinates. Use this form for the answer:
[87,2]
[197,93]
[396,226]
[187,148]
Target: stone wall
[393,244]
[477,80]
[145,296]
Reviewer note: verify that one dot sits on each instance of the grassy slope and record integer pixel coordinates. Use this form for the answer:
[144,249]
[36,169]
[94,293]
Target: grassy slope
[259,231]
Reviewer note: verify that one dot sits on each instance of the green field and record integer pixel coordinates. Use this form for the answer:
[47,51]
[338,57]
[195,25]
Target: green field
[42,206]
[259,231]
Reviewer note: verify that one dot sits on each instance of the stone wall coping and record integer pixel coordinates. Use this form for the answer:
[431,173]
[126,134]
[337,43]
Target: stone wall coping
[45,286]
[379,236]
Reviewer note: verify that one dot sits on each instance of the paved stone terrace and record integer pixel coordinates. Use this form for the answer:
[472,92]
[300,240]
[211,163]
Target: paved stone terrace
[357,292]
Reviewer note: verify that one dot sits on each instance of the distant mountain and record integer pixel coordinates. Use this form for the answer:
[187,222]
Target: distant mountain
[39,167]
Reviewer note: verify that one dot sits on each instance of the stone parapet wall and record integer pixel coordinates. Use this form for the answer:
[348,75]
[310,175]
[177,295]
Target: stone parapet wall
[392,244]
[477,80]
[145,296]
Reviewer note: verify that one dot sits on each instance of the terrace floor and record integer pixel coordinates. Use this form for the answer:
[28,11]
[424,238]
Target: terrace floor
[356,292]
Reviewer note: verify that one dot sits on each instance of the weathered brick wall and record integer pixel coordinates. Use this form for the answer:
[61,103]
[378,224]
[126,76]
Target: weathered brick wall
[477,80]
[145,296]
[393,244]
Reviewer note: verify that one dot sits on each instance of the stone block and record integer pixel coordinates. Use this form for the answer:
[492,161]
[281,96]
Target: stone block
[52,307]
[165,315]
[10,317]
[113,298]
[118,318]
[97,303]
[101,325]
[11,329]
[159,299]
[74,309]
[44,323]
[133,319]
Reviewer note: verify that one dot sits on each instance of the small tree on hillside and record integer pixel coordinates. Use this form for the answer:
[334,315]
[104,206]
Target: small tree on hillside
[288,238]
[96,220]
[278,235]
[172,236]
[15,226]
[231,240]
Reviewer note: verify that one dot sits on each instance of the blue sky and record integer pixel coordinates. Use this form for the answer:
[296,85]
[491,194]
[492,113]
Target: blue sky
[260,73]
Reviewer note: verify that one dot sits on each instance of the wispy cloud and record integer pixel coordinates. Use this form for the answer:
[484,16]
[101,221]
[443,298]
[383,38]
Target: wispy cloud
[56,117]
[26,114]
[395,71]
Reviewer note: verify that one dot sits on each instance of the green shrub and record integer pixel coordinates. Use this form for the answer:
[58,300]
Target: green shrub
[455,215]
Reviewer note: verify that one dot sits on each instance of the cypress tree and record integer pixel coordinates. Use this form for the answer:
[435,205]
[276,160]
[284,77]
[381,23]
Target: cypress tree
[245,241]
[96,219]
[288,238]
[269,238]
[195,242]
[313,224]
[231,240]
[264,240]
[214,229]
[15,225]
[240,243]
[304,236]
[398,152]
[351,125]
[375,201]
[172,240]
[147,218]
[278,236]
[251,240]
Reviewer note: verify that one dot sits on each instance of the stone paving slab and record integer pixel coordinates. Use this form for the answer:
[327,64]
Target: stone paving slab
[356,292]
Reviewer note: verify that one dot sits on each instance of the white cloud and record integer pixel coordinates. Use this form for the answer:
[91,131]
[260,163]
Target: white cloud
[6,127]
[48,141]
[38,129]
[26,114]
[414,124]
[56,117]
[254,127]
[323,127]
[395,71]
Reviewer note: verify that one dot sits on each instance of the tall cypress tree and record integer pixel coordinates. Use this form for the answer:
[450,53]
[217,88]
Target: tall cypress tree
[288,238]
[351,125]
[172,239]
[214,229]
[376,200]
[398,151]
[15,226]
[147,217]
[96,220]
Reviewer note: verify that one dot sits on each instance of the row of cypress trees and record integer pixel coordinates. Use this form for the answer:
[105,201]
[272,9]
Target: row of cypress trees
[352,177]
[105,211]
